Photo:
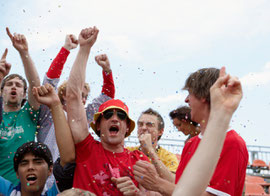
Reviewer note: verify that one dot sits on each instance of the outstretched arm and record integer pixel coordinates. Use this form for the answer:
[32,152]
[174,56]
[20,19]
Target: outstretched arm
[46,95]
[57,65]
[225,94]
[108,87]
[20,44]
[75,109]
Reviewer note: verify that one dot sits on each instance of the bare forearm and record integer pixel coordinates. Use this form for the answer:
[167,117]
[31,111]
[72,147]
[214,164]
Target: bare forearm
[31,76]
[195,179]
[162,170]
[63,135]
[77,74]
[76,113]
[165,187]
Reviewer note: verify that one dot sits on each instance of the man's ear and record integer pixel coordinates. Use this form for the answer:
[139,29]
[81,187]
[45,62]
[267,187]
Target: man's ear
[204,100]
[160,132]
[17,174]
[50,170]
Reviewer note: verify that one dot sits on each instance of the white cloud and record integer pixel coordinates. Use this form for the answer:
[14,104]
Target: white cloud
[254,79]
[162,100]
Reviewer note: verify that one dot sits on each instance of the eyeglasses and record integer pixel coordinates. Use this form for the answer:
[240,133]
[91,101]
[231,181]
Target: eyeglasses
[109,113]
[148,124]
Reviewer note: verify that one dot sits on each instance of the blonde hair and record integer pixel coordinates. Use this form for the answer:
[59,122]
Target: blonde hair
[63,88]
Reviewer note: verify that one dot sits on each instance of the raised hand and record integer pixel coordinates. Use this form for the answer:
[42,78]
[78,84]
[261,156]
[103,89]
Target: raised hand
[4,66]
[19,41]
[103,61]
[226,92]
[71,42]
[88,37]
[126,186]
[146,143]
[46,95]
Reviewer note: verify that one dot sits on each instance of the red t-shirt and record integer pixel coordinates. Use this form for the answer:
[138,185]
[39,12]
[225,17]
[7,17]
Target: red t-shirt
[229,176]
[92,167]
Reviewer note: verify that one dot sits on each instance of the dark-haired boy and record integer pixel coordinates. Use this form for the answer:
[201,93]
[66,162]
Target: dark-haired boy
[33,165]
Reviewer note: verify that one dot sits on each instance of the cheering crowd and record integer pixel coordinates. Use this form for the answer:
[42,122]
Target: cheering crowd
[46,147]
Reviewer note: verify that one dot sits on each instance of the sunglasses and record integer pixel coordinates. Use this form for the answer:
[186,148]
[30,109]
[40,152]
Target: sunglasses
[109,113]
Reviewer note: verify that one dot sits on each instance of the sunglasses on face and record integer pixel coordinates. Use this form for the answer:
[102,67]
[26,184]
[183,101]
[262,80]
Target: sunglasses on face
[109,113]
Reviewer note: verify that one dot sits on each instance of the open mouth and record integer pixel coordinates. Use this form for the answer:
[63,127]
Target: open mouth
[31,179]
[13,93]
[114,130]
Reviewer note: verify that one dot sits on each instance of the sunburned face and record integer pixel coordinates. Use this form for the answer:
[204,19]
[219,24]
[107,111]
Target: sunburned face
[33,172]
[113,127]
[13,92]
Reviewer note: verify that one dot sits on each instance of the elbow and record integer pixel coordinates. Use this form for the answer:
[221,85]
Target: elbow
[68,159]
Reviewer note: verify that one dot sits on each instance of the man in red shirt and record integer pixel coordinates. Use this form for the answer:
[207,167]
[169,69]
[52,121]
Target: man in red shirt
[229,175]
[105,167]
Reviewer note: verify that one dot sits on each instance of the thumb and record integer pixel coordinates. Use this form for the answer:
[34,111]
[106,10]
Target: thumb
[35,93]
[114,180]
[4,54]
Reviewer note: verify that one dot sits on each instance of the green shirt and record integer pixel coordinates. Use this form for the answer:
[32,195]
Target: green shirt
[16,128]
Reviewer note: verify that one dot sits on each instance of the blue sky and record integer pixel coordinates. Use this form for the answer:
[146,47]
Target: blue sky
[153,46]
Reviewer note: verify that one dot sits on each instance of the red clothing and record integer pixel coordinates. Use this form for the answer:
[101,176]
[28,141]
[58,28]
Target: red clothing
[92,167]
[57,65]
[229,176]
[108,84]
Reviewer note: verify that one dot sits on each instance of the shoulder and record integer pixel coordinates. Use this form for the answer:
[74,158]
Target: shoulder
[7,188]
[164,152]
[132,148]
[234,143]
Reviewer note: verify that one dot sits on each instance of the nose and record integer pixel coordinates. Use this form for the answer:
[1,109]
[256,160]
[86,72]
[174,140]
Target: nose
[114,117]
[30,165]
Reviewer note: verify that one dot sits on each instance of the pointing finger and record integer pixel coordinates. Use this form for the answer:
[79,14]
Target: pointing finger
[5,54]
[222,72]
[9,34]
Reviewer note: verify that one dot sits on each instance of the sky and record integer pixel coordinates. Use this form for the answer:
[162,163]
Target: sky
[153,46]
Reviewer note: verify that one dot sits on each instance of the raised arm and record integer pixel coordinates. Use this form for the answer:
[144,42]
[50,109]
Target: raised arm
[4,66]
[225,94]
[108,87]
[4,70]
[57,65]
[45,133]
[20,44]
[46,95]
[75,109]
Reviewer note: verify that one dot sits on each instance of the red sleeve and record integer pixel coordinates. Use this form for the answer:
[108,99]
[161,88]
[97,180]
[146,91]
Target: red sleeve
[108,84]
[57,65]
[229,175]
